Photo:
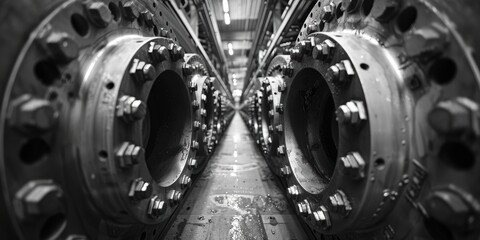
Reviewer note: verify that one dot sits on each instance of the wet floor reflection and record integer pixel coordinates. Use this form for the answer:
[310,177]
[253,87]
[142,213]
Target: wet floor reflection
[236,197]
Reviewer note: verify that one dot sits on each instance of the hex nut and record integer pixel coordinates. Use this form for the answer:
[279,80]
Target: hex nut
[99,14]
[140,190]
[31,114]
[156,207]
[63,48]
[322,216]
[353,165]
[38,198]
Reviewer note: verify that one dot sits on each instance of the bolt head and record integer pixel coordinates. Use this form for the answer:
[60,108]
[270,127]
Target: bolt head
[281,150]
[328,12]
[185,181]
[99,14]
[140,190]
[139,109]
[174,196]
[149,72]
[313,27]
[63,48]
[296,54]
[192,163]
[353,165]
[30,114]
[323,218]
[130,10]
[156,207]
[455,116]
[451,208]
[38,198]
[386,11]
[147,17]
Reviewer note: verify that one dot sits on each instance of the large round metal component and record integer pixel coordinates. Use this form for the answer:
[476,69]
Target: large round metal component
[380,120]
[98,118]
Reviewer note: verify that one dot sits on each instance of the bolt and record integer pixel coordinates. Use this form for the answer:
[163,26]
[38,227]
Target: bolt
[156,207]
[281,150]
[140,189]
[349,5]
[328,12]
[192,163]
[176,52]
[158,53]
[293,190]
[130,10]
[340,73]
[385,11]
[38,198]
[279,108]
[203,112]
[174,196]
[193,86]
[296,54]
[149,72]
[314,26]
[185,181]
[164,33]
[194,145]
[196,125]
[306,46]
[353,112]
[286,171]
[353,165]
[131,109]
[304,208]
[339,203]
[279,128]
[129,154]
[323,217]
[282,86]
[287,70]
[324,51]
[195,105]
[147,17]
[31,114]
[455,116]
[62,47]
[99,14]
[453,208]
[188,69]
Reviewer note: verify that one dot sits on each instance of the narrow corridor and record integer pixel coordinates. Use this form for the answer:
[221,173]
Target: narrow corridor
[236,197]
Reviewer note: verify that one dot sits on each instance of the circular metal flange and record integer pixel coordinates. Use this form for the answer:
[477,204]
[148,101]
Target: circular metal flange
[87,109]
[408,66]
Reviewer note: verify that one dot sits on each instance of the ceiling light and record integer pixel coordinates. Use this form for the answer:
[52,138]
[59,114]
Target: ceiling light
[226,8]
[230,48]
[227,18]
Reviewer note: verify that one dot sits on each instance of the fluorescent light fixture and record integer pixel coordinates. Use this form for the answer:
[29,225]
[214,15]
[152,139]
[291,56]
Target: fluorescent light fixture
[226,8]
[227,18]
[230,48]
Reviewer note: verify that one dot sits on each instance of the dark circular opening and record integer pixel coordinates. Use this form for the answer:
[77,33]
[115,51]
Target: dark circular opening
[160,12]
[443,71]
[79,24]
[437,230]
[115,10]
[154,4]
[47,71]
[103,155]
[167,128]
[339,11]
[166,23]
[379,163]
[311,131]
[367,6]
[110,85]
[52,96]
[53,227]
[34,150]
[154,232]
[155,30]
[457,155]
[364,66]
[406,18]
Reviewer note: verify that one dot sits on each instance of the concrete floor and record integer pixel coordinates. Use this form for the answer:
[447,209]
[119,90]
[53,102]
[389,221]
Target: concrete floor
[236,197]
